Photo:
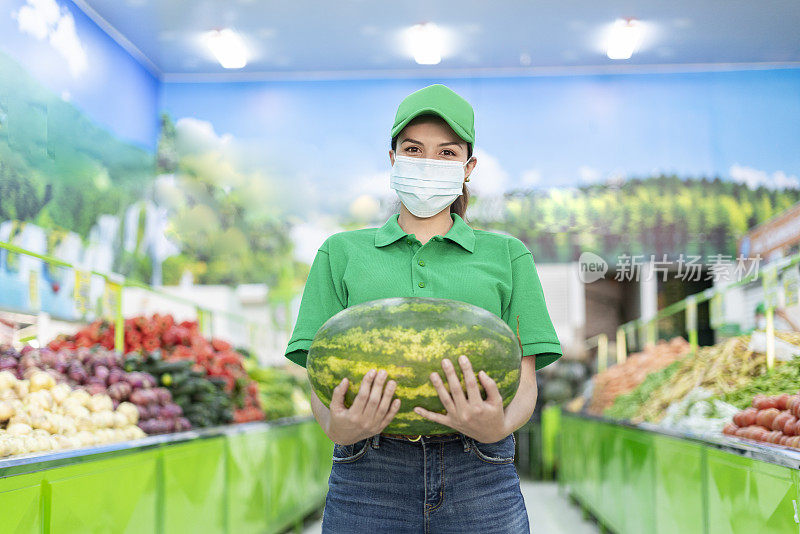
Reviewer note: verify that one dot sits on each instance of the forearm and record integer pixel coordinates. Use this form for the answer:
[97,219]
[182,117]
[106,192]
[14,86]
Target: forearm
[321,413]
[520,409]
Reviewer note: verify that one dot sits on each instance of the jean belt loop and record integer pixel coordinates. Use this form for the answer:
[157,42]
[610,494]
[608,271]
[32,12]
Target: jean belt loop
[376,441]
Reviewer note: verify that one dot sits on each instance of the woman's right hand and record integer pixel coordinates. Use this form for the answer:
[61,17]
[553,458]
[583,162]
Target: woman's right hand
[372,410]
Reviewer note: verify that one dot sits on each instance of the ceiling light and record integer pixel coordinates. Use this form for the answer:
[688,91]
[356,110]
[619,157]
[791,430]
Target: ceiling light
[624,39]
[426,43]
[228,47]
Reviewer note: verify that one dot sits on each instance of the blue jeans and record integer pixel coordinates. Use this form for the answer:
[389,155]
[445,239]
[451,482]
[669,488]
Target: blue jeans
[444,484]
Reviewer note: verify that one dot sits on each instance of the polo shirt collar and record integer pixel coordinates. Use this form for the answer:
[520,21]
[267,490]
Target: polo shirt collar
[460,232]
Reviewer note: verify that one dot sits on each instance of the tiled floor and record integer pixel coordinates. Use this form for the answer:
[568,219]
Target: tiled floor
[549,512]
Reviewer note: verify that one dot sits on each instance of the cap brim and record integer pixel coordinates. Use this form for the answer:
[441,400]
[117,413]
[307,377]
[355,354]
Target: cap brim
[454,125]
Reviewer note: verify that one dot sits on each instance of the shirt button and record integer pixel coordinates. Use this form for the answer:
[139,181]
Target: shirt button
[421,284]
[408,240]
[421,263]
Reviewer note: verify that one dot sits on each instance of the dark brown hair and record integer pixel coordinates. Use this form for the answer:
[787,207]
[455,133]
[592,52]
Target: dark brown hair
[459,205]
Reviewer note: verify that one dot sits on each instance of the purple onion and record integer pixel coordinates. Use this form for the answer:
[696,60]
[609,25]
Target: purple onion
[181,423]
[163,395]
[116,375]
[94,389]
[171,411]
[102,372]
[139,397]
[135,380]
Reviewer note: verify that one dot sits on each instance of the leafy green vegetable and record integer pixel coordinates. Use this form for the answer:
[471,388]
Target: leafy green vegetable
[784,378]
[625,406]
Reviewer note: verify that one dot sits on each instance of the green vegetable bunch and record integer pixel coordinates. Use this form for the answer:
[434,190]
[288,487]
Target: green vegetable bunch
[625,406]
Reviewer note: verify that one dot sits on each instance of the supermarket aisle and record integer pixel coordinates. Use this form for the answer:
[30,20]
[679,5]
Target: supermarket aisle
[549,512]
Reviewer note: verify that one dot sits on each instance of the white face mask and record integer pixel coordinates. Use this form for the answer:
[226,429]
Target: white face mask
[427,186]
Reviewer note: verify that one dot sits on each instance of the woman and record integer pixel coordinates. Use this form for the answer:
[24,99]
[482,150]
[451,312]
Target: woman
[464,481]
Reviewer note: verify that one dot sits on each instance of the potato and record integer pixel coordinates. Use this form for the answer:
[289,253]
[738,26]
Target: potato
[64,442]
[7,380]
[102,419]
[130,411]
[767,416]
[60,393]
[781,419]
[14,446]
[68,427]
[40,421]
[100,402]
[20,417]
[84,423]
[41,380]
[81,396]
[6,411]
[19,429]
[86,438]
[120,420]
[22,388]
[29,444]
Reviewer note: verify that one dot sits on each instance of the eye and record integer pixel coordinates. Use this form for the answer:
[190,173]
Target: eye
[409,148]
[448,152]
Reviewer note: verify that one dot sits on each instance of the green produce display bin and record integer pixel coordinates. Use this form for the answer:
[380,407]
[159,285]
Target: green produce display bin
[643,479]
[255,477]
[551,422]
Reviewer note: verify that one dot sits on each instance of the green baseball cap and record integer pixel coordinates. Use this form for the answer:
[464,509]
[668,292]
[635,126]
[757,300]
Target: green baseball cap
[440,100]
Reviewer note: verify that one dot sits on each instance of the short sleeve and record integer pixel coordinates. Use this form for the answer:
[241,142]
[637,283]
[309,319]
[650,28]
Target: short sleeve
[536,332]
[320,301]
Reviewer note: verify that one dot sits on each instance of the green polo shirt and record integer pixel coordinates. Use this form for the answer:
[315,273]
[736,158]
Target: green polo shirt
[487,269]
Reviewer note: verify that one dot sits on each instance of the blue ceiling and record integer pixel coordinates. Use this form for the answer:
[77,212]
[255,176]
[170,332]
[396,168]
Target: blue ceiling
[362,37]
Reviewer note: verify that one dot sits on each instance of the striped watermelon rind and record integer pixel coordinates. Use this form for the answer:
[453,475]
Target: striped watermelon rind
[409,337]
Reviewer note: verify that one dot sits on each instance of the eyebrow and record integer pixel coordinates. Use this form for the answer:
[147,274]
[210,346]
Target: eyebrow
[440,144]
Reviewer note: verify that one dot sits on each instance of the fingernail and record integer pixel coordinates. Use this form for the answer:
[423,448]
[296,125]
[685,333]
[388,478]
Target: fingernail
[462,359]
[446,362]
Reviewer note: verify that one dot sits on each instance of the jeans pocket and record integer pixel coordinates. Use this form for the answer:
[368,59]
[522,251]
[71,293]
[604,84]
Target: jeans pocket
[350,453]
[498,452]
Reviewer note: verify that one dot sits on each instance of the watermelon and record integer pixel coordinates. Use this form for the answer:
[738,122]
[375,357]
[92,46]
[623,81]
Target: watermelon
[409,337]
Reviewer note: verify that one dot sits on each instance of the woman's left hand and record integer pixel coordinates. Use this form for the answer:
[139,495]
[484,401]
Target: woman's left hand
[482,420]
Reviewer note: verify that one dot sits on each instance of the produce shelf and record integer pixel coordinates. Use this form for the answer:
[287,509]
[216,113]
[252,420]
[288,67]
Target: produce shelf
[646,478]
[252,477]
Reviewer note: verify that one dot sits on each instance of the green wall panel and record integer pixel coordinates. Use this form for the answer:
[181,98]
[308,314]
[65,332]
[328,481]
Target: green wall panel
[637,494]
[679,486]
[194,486]
[93,496]
[746,495]
[22,495]
[247,482]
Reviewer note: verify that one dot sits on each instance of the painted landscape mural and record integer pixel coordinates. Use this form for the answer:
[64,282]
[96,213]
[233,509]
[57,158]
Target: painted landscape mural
[104,166]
